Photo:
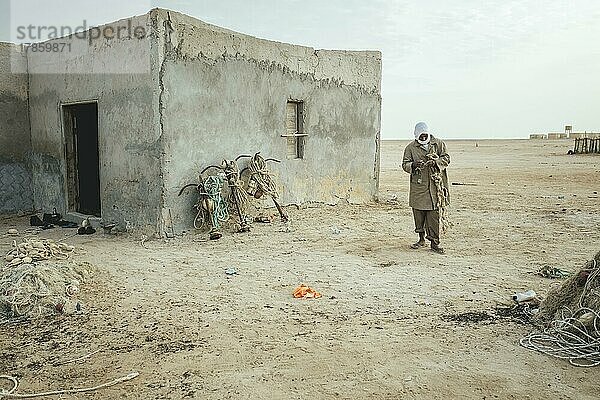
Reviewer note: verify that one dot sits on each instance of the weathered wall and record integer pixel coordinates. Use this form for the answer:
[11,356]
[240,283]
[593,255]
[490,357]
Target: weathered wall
[118,74]
[15,143]
[224,94]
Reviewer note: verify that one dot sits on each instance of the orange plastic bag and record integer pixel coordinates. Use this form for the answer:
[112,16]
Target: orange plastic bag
[305,292]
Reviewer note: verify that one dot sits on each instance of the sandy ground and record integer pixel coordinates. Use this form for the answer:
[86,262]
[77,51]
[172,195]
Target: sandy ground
[171,313]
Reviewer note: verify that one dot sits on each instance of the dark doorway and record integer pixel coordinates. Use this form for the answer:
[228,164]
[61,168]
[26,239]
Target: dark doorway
[83,162]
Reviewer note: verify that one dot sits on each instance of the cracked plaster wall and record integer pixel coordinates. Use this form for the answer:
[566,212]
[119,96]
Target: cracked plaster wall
[119,75]
[15,141]
[224,93]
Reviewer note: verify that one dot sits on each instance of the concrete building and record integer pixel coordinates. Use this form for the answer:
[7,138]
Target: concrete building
[117,125]
[538,136]
[15,139]
[557,135]
[567,134]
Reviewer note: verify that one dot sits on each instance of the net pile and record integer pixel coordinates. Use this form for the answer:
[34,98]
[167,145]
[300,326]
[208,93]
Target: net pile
[33,285]
[571,317]
[38,290]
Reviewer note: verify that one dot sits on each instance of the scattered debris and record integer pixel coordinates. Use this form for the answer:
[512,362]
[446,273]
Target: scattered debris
[109,229]
[387,264]
[264,219]
[520,312]
[177,346]
[469,317]
[85,357]
[305,292]
[523,297]
[552,272]
[463,184]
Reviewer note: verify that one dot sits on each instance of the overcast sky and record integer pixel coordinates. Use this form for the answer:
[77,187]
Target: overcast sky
[470,68]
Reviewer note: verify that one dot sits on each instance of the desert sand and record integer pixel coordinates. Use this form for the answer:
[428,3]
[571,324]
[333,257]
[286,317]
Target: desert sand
[166,308]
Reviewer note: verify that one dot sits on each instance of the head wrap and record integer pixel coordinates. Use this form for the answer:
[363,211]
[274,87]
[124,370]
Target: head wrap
[420,129]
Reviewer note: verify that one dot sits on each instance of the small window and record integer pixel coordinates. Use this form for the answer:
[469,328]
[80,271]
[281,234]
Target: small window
[294,126]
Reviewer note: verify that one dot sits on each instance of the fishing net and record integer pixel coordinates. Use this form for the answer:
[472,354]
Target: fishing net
[581,290]
[570,317]
[35,290]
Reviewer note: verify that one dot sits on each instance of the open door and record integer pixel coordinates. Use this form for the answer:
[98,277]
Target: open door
[83,161]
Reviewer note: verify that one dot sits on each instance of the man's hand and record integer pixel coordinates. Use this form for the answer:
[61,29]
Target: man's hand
[429,163]
[418,164]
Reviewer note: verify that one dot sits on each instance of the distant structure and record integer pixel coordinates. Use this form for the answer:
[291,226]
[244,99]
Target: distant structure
[538,136]
[586,146]
[567,134]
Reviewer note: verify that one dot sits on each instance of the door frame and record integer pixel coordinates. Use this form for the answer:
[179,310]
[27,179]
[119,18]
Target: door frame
[61,113]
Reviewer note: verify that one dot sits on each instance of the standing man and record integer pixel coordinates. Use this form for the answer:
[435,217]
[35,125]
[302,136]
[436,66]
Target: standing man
[423,158]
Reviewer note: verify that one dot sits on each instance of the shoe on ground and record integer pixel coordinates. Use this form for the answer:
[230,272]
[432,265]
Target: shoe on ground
[417,245]
[438,249]
[36,221]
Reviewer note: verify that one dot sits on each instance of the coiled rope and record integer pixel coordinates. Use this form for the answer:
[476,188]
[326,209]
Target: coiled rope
[576,335]
[213,186]
[29,251]
[9,394]
[237,195]
[261,175]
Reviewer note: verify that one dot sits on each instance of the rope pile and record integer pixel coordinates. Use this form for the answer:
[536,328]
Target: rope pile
[219,213]
[573,312]
[260,174]
[41,289]
[30,251]
[237,195]
[442,193]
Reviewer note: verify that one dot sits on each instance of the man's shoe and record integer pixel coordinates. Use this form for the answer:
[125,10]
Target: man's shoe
[437,249]
[36,221]
[417,245]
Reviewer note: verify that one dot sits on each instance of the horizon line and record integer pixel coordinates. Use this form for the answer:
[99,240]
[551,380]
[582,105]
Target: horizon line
[492,138]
